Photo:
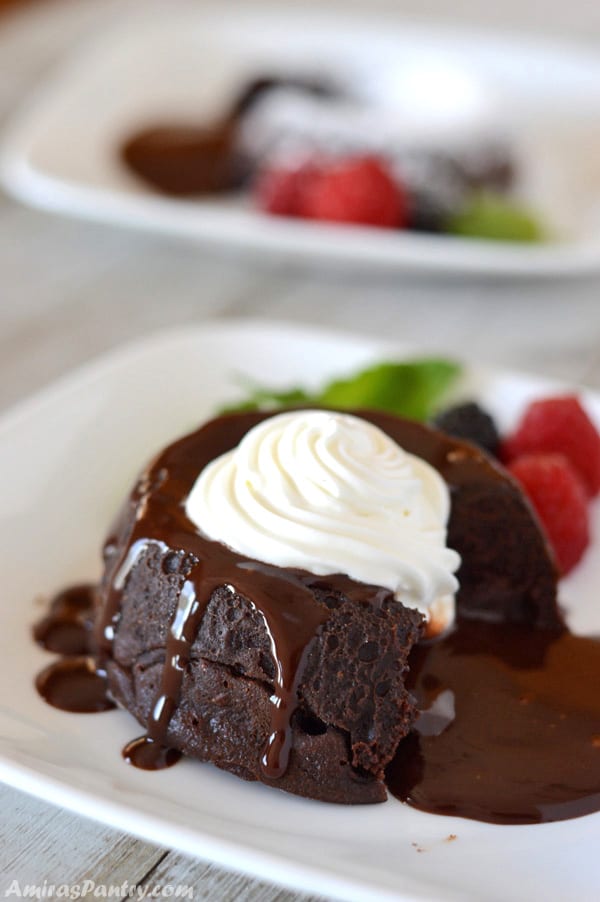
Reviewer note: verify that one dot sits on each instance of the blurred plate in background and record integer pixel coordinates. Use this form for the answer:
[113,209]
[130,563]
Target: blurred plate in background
[61,152]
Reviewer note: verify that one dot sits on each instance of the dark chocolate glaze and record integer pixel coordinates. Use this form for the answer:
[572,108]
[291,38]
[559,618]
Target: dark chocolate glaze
[190,159]
[186,160]
[68,624]
[510,726]
[283,597]
[146,754]
[74,684]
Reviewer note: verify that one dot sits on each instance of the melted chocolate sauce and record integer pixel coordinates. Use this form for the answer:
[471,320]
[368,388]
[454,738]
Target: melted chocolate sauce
[186,159]
[510,726]
[292,616]
[510,723]
[146,754]
[67,627]
[74,684]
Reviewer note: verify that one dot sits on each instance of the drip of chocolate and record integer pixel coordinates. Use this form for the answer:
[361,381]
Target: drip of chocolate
[292,619]
[74,684]
[292,616]
[284,599]
[147,754]
[67,627]
[510,726]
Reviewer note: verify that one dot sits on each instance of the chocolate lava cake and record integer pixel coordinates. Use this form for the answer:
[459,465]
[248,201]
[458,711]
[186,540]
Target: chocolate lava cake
[276,674]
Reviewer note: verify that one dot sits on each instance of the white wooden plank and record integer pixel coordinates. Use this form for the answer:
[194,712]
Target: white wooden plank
[210,882]
[40,842]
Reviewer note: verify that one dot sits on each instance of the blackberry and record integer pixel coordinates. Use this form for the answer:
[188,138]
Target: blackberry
[426,214]
[469,421]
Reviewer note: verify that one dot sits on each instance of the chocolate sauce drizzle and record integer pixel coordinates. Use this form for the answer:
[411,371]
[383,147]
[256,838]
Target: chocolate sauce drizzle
[510,724]
[74,684]
[292,619]
[155,514]
[67,627]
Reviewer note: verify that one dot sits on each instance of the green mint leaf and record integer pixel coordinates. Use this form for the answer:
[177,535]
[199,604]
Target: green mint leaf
[411,389]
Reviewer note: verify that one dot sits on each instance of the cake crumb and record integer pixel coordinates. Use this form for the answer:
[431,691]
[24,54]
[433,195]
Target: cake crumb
[451,837]
[417,847]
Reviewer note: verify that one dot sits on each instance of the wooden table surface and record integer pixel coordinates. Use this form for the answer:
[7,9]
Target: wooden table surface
[69,291]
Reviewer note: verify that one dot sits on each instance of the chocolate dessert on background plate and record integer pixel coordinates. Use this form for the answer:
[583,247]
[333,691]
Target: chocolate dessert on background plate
[312,148]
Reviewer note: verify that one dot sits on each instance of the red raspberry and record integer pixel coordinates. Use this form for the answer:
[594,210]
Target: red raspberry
[359,190]
[281,190]
[559,426]
[557,494]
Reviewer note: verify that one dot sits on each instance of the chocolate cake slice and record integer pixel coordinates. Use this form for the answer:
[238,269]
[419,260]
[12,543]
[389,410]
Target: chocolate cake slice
[276,674]
[352,707]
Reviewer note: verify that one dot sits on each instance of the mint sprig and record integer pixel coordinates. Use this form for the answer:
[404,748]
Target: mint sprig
[411,388]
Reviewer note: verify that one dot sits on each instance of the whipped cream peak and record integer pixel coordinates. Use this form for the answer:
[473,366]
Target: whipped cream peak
[332,493]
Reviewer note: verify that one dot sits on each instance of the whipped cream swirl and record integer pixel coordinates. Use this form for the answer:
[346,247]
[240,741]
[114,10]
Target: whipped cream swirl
[331,493]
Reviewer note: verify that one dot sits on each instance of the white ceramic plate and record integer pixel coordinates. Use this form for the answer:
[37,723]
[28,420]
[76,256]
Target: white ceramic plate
[67,457]
[182,62]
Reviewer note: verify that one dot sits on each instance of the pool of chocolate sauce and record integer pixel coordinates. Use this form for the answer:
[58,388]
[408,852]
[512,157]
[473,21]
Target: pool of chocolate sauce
[74,684]
[190,159]
[510,726]
[185,160]
[67,627]
[509,730]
